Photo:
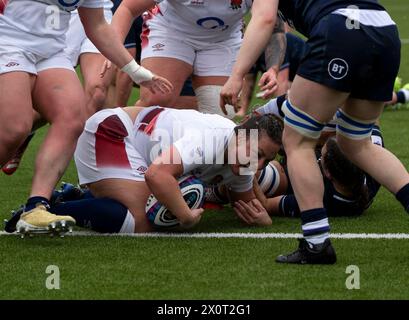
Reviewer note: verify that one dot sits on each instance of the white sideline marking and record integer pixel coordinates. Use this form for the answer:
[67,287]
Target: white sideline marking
[404,41]
[388,236]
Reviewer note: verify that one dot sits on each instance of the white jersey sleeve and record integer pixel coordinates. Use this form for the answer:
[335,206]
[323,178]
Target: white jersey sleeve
[193,152]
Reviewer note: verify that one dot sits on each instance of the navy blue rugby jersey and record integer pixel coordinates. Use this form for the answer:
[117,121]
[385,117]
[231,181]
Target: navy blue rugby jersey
[302,15]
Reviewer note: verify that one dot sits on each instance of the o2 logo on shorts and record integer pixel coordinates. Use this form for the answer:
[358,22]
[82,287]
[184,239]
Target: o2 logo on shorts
[212,23]
[338,68]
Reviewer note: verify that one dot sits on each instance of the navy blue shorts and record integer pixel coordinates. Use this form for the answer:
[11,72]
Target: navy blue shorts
[296,48]
[363,62]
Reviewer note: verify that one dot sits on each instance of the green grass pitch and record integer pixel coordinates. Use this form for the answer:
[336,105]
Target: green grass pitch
[191,268]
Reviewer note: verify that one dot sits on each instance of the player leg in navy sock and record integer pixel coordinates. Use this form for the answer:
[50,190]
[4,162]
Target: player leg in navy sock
[403,197]
[315,247]
[99,214]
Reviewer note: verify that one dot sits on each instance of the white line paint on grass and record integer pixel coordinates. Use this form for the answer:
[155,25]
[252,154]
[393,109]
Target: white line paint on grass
[388,236]
[404,41]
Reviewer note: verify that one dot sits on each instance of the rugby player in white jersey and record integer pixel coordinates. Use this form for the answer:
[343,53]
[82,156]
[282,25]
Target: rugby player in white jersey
[85,54]
[35,71]
[82,52]
[180,38]
[127,154]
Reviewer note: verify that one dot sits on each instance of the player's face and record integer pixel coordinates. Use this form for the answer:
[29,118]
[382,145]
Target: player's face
[266,151]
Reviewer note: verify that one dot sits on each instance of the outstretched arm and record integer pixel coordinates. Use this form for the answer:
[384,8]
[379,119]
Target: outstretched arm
[107,41]
[274,56]
[127,11]
[256,37]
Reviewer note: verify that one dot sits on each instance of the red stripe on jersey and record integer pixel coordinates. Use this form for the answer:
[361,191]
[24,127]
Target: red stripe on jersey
[3,4]
[110,148]
[148,122]
[145,29]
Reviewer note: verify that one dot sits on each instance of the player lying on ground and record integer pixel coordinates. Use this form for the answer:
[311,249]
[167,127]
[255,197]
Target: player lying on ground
[401,96]
[348,190]
[127,154]
[352,61]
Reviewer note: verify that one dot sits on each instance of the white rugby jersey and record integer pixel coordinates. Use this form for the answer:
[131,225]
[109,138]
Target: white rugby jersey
[201,139]
[39,26]
[211,20]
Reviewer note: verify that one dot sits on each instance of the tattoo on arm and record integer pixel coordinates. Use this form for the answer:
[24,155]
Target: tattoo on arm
[275,50]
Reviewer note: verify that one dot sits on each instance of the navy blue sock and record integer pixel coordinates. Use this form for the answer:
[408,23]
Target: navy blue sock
[34,201]
[99,214]
[403,197]
[87,195]
[315,226]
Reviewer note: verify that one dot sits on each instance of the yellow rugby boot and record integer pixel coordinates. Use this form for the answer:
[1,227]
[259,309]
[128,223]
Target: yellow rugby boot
[39,220]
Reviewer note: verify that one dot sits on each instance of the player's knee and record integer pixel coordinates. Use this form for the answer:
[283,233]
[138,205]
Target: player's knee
[97,92]
[353,149]
[353,135]
[70,122]
[13,134]
[148,99]
[294,140]
[303,126]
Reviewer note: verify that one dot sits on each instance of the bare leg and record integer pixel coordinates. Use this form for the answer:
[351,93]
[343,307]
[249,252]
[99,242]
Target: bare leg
[59,98]
[377,162]
[176,71]
[96,88]
[132,194]
[16,107]
[124,85]
[303,169]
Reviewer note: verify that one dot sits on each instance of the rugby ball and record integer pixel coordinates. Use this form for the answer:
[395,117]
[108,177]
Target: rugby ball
[192,190]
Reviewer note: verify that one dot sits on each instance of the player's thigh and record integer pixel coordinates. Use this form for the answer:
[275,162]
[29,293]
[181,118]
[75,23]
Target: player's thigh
[17,79]
[167,54]
[175,70]
[132,194]
[361,114]
[315,99]
[15,100]
[216,59]
[363,109]
[58,96]
[199,81]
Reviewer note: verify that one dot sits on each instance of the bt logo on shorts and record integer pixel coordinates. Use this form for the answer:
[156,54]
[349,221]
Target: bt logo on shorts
[338,68]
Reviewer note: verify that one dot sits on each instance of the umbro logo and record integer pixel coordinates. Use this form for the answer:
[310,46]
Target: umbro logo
[12,64]
[158,47]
